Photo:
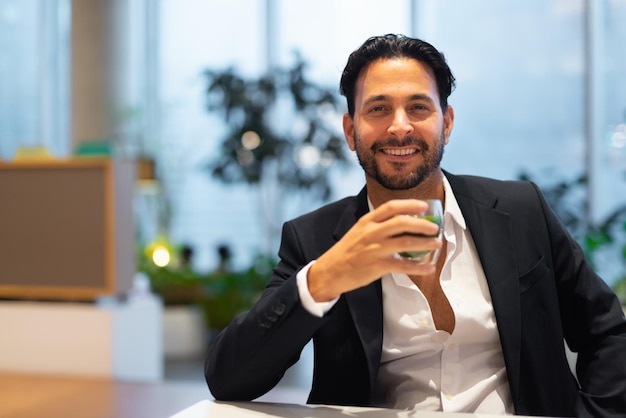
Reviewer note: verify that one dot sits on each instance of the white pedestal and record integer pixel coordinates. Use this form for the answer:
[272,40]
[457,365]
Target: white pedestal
[184,332]
[111,339]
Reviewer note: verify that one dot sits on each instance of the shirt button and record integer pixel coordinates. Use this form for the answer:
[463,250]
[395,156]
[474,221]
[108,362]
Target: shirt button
[452,346]
[449,396]
[423,323]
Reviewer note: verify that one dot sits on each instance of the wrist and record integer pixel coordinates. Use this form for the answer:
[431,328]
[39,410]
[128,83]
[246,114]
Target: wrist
[319,286]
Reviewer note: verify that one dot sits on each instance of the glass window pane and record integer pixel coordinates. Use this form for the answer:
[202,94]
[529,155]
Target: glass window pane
[615,105]
[196,35]
[34,87]
[519,101]
[327,31]
[611,175]
[19,96]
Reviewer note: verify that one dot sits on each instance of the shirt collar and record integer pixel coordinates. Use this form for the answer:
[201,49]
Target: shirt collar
[452,209]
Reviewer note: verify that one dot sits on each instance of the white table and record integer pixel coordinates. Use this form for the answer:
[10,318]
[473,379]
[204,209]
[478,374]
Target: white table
[215,409]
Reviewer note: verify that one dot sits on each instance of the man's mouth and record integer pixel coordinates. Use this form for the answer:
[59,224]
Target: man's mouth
[396,148]
[399,152]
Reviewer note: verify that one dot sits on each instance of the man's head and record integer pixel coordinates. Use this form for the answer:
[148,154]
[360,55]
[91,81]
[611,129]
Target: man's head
[396,46]
[398,120]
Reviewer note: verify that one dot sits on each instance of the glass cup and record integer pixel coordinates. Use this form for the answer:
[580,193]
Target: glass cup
[434,213]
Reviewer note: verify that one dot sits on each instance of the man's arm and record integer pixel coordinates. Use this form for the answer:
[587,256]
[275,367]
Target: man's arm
[251,355]
[594,327]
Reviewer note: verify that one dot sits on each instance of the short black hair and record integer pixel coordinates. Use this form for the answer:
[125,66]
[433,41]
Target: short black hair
[396,46]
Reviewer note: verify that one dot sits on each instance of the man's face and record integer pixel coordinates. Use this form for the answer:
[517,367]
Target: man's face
[399,130]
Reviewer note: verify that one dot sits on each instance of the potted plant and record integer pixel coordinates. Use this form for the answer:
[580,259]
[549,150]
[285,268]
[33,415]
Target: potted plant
[198,305]
[281,135]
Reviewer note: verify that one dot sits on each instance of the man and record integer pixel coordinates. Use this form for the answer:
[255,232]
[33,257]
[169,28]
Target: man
[480,330]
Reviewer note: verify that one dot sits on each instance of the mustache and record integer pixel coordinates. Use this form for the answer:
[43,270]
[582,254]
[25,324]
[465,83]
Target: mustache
[395,142]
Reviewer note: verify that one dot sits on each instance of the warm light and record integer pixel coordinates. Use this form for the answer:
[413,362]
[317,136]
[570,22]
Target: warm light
[161,256]
[250,140]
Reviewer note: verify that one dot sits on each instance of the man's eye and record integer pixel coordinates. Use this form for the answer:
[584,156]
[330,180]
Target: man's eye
[377,109]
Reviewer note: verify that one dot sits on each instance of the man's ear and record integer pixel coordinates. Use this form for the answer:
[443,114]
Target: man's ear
[448,123]
[348,130]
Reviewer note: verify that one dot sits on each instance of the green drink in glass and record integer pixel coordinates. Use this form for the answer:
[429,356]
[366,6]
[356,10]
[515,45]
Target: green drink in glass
[433,214]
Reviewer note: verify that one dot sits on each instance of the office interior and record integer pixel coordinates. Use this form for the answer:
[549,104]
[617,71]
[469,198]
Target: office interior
[104,119]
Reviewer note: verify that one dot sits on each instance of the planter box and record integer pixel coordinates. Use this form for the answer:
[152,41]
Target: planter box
[184,332]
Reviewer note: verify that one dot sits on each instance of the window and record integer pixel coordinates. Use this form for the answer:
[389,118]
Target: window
[540,89]
[520,102]
[34,76]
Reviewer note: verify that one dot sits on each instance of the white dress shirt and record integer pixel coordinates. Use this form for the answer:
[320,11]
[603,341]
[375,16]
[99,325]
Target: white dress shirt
[423,368]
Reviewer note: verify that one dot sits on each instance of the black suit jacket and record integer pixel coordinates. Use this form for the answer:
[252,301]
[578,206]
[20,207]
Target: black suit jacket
[543,292]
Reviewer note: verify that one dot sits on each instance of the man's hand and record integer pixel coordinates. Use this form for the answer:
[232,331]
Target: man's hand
[367,251]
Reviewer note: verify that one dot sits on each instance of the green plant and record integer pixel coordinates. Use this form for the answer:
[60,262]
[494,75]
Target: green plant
[220,294]
[567,198]
[610,232]
[277,126]
[225,294]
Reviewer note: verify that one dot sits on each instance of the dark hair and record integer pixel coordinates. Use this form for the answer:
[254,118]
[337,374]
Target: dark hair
[396,46]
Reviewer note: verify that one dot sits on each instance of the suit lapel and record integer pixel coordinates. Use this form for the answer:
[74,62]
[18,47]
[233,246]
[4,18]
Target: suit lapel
[365,303]
[492,234]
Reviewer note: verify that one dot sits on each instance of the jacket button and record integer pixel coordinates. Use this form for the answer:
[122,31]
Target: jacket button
[279,308]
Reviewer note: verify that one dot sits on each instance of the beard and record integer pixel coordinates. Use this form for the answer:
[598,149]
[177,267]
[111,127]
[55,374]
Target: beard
[431,156]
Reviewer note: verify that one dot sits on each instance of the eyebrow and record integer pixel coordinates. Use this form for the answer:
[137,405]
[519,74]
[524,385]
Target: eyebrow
[383,97]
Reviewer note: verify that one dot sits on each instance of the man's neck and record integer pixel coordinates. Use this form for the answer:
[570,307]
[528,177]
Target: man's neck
[430,188]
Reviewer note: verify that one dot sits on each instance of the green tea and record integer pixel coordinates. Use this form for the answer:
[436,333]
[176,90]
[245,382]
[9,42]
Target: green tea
[420,255]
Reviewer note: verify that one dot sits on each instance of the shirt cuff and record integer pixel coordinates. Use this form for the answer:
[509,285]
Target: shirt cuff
[315,308]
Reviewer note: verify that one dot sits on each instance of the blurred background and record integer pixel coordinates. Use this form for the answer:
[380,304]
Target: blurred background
[231,111]
[541,90]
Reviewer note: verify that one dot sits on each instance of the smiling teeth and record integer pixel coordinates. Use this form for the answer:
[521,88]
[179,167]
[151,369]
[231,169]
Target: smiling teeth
[399,151]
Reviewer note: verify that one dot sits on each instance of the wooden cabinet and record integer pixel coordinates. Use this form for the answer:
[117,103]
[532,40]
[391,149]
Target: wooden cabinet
[66,228]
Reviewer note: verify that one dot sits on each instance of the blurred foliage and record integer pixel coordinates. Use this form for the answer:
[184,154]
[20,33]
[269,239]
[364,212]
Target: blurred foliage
[220,294]
[290,114]
[567,199]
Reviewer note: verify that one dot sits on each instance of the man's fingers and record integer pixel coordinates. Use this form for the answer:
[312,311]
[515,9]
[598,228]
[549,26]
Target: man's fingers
[396,207]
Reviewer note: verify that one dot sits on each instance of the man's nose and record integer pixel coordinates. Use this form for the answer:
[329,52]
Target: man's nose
[400,125]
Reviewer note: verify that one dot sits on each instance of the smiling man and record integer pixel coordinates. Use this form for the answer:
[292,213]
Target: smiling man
[415,126]
[479,330]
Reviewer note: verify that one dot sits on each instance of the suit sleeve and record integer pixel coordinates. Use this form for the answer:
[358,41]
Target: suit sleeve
[250,356]
[593,324]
